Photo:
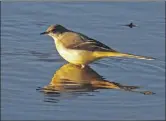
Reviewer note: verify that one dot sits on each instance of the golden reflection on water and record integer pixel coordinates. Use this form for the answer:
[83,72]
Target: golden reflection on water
[72,78]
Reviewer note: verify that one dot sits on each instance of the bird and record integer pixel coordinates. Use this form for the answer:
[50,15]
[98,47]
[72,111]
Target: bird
[79,49]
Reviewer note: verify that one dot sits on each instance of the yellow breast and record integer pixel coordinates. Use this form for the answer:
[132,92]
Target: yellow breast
[78,57]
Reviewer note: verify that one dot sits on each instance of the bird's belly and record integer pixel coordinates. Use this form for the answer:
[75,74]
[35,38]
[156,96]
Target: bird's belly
[78,57]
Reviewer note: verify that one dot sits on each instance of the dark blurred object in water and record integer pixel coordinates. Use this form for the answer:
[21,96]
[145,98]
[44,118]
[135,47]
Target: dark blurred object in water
[131,25]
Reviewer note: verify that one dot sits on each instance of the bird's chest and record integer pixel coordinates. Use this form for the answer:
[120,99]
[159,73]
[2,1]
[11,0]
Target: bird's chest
[78,57]
[67,54]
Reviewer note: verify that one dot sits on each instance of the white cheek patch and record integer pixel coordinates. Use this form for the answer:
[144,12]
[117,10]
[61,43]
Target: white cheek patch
[55,40]
[55,37]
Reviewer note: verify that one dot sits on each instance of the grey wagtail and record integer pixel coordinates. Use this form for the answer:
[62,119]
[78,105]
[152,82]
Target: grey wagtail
[79,49]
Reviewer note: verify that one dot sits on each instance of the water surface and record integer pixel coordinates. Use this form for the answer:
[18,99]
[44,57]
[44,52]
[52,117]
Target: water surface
[29,61]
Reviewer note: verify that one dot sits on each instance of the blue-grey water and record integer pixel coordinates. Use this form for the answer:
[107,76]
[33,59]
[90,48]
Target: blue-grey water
[29,61]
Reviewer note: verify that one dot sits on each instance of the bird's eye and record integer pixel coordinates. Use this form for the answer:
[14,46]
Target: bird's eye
[54,30]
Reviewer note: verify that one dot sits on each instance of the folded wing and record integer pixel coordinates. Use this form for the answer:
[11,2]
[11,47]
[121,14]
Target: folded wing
[92,45]
[86,43]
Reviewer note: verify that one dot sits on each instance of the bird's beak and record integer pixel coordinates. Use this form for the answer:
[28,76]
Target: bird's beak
[43,33]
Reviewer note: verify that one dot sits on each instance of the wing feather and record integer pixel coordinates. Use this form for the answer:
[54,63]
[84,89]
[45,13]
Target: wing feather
[86,43]
[92,45]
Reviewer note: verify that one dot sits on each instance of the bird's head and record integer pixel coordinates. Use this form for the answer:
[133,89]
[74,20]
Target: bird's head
[54,29]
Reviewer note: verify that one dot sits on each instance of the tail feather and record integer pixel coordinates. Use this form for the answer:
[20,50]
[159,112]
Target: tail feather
[118,54]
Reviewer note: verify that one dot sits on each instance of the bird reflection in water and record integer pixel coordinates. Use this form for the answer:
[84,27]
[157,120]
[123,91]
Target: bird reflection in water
[77,81]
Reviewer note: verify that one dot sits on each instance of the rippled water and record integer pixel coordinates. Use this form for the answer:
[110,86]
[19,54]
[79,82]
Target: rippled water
[29,61]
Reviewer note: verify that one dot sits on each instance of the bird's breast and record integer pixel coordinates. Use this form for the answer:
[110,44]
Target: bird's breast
[78,57]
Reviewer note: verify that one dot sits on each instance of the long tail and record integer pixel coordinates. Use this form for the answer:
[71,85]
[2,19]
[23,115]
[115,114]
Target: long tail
[118,54]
